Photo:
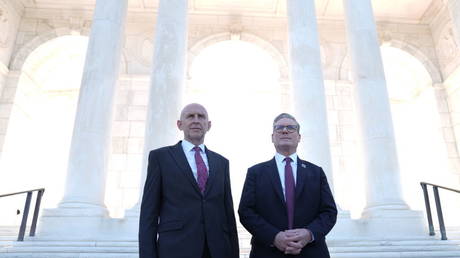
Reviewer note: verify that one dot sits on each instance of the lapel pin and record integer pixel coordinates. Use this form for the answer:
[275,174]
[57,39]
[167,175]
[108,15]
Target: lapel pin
[304,166]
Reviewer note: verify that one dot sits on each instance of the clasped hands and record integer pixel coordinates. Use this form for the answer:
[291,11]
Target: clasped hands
[293,240]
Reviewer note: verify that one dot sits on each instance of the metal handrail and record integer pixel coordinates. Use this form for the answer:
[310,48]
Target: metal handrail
[33,227]
[437,199]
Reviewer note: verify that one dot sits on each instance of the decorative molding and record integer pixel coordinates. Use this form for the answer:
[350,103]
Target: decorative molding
[146,51]
[139,48]
[235,30]
[435,9]
[446,46]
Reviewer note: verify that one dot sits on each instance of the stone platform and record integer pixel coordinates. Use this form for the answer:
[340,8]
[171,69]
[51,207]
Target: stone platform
[417,247]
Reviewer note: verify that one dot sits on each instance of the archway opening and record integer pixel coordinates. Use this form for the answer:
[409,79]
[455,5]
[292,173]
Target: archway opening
[39,132]
[239,84]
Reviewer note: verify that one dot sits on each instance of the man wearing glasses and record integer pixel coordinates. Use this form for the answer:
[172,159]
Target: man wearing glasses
[286,203]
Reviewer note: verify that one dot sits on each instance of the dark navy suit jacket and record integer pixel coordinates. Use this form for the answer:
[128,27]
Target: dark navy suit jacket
[263,212]
[176,219]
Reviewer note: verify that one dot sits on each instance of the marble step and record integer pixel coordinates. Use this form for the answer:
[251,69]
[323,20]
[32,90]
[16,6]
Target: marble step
[10,233]
[339,249]
[11,230]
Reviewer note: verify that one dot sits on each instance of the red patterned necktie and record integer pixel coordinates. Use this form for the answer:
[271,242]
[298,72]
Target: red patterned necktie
[289,185]
[201,169]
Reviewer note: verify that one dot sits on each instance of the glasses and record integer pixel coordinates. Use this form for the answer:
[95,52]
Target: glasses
[289,128]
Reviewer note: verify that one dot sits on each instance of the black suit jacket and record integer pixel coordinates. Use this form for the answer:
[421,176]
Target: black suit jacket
[263,212]
[176,219]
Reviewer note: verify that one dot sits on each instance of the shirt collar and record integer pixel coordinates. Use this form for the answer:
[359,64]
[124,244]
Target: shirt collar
[280,158]
[188,146]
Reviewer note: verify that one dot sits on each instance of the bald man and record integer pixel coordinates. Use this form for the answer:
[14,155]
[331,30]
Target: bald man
[187,208]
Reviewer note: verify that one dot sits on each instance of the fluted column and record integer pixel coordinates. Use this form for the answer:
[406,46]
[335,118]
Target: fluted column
[373,106]
[87,168]
[90,141]
[307,82]
[166,82]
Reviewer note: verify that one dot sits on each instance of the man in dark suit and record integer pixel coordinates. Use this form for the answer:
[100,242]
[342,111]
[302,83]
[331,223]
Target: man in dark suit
[286,202]
[187,209]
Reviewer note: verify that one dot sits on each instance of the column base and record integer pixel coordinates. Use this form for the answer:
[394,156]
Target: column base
[391,221]
[134,212]
[344,228]
[73,221]
[380,223]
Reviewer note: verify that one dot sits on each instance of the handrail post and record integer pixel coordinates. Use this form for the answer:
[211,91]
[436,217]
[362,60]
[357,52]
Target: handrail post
[442,227]
[428,209]
[22,229]
[36,211]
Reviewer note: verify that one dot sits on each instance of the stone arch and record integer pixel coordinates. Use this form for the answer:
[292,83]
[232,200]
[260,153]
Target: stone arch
[432,69]
[435,74]
[23,53]
[273,51]
[343,70]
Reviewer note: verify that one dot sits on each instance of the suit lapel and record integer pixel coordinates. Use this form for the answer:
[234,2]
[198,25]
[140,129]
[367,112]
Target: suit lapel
[213,169]
[275,178]
[179,156]
[301,177]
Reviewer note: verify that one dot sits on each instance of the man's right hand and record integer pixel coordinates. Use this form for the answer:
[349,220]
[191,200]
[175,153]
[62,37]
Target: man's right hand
[285,242]
[281,241]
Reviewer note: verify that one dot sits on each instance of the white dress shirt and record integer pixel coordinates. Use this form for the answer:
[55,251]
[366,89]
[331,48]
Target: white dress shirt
[190,155]
[281,163]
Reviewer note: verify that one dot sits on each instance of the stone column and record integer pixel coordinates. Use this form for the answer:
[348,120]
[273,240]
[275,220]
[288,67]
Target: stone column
[308,85]
[87,168]
[384,197]
[167,81]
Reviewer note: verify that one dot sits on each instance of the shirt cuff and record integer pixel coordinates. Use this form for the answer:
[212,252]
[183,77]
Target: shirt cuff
[312,237]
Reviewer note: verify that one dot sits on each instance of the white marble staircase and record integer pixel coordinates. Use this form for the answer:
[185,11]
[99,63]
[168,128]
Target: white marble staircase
[423,247]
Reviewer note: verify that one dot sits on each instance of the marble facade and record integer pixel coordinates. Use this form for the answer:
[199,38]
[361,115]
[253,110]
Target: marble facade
[137,91]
